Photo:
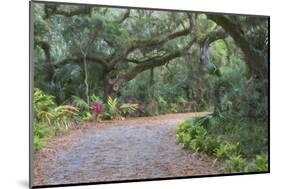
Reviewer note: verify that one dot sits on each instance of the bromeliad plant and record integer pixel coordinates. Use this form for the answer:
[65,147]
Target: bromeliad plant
[116,111]
[87,112]
[111,109]
[97,110]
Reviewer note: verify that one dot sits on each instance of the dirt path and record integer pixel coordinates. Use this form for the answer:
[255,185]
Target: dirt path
[137,148]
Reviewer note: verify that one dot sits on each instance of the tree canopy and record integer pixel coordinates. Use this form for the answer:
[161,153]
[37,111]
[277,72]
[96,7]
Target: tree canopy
[81,50]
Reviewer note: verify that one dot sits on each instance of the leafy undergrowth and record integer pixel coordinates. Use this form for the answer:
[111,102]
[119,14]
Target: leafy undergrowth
[44,133]
[240,147]
[52,119]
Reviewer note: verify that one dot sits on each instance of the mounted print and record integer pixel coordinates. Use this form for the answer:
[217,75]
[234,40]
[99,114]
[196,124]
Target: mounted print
[121,94]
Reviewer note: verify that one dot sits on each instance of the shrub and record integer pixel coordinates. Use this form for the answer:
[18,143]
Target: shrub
[96,99]
[43,106]
[111,108]
[184,127]
[42,130]
[37,143]
[113,111]
[80,103]
[203,120]
[127,109]
[140,111]
[190,135]
[50,119]
[212,144]
[163,105]
[226,151]
[97,108]
[64,116]
[173,108]
[235,164]
[86,116]
[42,134]
[250,134]
[198,144]
[259,164]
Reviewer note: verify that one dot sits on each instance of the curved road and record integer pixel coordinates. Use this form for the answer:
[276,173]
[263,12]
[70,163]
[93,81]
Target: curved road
[138,148]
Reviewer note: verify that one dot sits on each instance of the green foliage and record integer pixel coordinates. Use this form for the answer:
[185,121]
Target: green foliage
[86,116]
[50,119]
[236,164]
[43,106]
[42,134]
[186,139]
[173,108]
[250,134]
[113,111]
[96,99]
[195,136]
[84,113]
[80,103]
[64,115]
[42,130]
[225,151]
[128,108]
[203,120]
[259,164]
[163,105]
[47,111]
[212,144]
[192,134]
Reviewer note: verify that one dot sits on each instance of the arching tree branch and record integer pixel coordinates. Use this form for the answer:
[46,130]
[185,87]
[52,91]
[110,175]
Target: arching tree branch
[255,63]
[138,43]
[204,47]
[153,62]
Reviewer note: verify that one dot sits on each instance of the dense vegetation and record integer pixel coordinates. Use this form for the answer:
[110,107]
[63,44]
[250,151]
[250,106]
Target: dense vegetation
[93,63]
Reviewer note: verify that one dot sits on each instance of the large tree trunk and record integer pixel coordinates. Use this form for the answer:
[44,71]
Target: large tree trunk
[152,106]
[109,88]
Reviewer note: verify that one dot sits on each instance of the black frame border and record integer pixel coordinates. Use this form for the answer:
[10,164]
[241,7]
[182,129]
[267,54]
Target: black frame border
[31,151]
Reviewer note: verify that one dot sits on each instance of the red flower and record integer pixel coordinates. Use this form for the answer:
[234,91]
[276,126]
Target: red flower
[98,108]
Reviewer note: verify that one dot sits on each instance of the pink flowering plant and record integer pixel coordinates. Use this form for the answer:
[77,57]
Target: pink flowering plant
[97,109]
